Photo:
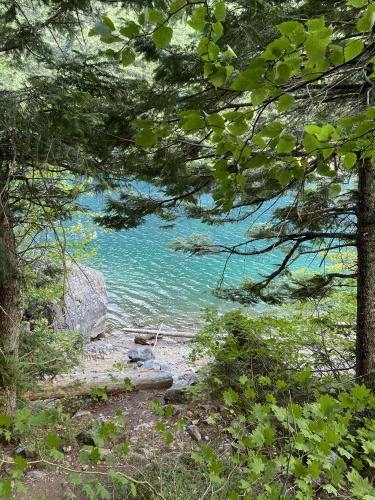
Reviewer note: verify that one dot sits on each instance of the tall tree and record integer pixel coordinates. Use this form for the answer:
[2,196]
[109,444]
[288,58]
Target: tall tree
[57,103]
[290,121]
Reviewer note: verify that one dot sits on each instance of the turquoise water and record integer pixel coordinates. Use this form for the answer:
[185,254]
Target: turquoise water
[150,284]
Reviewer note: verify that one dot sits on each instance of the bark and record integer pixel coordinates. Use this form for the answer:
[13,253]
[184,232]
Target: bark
[140,381]
[365,349]
[10,305]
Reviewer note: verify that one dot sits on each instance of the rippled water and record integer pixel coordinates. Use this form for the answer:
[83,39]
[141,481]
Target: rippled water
[150,284]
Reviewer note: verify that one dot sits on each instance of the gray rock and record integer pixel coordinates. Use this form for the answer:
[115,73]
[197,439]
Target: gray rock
[140,354]
[194,432]
[84,305]
[104,452]
[151,364]
[36,474]
[25,451]
[82,413]
[177,396]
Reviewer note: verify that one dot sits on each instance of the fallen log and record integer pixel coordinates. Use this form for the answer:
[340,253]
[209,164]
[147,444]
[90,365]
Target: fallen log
[117,384]
[188,335]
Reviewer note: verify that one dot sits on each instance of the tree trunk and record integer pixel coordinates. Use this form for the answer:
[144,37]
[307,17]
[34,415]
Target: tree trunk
[365,349]
[10,305]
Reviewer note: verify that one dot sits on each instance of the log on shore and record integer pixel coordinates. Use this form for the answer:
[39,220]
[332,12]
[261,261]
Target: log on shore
[111,384]
[188,335]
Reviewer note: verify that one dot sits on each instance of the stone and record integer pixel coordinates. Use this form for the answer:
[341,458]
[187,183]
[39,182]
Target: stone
[138,339]
[84,305]
[177,396]
[25,451]
[104,452]
[36,474]
[140,354]
[193,431]
[151,364]
[82,413]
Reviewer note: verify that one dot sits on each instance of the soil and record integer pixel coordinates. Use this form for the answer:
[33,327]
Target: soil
[144,439]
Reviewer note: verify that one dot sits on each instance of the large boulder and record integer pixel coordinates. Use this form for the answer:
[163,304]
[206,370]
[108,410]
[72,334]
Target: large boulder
[84,305]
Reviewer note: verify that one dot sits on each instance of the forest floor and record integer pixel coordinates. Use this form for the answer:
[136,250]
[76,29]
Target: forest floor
[149,455]
[147,448]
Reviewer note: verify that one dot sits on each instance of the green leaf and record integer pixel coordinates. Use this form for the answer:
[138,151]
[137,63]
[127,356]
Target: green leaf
[177,7]
[252,77]
[229,53]
[358,4]
[352,49]
[285,102]
[155,16]
[315,46]
[220,11]
[284,177]
[130,30]
[282,73]
[286,143]
[230,397]
[198,19]
[273,129]
[294,30]
[20,463]
[146,137]
[162,37]
[53,440]
[350,160]
[94,455]
[133,489]
[191,121]
[277,48]
[5,421]
[336,54]
[239,127]
[102,29]
[310,144]
[218,76]
[215,121]
[217,31]
[106,20]
[367,20]
[127,56]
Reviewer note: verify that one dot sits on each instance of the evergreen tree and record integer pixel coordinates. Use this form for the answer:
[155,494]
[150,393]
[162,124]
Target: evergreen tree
[57,102]
[253,122]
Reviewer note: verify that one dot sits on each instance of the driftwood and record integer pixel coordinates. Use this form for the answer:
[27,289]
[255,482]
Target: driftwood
[112,385]
[188,335]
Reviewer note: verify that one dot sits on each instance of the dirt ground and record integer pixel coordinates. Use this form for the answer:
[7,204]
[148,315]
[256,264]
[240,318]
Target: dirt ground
[144,440]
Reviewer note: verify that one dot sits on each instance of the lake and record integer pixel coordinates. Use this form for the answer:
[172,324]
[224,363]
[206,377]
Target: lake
[152,285]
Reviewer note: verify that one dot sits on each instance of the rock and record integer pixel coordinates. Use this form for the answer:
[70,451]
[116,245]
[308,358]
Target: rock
[140,363]
[138,339]
[25,451]
[36,474]
[139,354]
[104,452]
[177,396]
[151,364]
[82,413]
[85,302]
[187,378]
[66,449]
[193,431]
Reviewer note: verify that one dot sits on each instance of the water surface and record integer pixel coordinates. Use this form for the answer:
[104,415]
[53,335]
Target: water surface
[150,284]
